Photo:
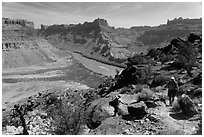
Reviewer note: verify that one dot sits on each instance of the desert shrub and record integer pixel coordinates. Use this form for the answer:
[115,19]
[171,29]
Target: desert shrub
[68,117]
[51,99]
[153,53]
[165,58]
[143,76]
[146,94]
[138,59]
[188,52]
[179,63]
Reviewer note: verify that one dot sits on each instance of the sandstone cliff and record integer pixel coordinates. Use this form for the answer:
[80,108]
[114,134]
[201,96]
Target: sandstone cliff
[21,47]
[99,40]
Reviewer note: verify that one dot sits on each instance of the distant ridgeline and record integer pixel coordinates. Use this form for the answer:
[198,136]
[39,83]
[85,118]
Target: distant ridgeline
[180,20]
[174,28]
[18,21]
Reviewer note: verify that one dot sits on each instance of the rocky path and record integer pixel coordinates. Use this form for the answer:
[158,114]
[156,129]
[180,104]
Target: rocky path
[179,124]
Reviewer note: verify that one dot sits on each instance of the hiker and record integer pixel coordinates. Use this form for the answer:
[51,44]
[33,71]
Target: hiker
[172,86]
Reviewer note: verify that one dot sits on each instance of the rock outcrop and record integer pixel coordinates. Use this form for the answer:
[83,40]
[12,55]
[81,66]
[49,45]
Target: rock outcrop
[22,47]
[25,23]
[187,105]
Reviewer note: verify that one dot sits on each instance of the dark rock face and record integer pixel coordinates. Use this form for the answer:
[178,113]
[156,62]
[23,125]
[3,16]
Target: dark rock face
[138,109]
[187,105]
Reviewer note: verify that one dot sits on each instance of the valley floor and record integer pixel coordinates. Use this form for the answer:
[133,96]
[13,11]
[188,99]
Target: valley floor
[22,82]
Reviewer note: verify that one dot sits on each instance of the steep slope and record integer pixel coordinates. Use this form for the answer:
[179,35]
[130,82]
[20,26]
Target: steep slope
[21,47]
[99,40]
[174,28]
[95,38]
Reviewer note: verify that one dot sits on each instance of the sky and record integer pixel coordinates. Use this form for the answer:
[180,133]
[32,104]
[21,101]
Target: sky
[118,14]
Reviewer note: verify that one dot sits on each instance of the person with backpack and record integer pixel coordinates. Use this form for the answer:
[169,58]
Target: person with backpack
[172,86]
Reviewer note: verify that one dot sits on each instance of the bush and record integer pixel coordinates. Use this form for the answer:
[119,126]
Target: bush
[143,75]
[68,117]
[165,58]
[153,53]
[146,94]
[51,99]
[138,59]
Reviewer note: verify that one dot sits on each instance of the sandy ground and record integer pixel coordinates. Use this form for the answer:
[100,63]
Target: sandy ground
[16,91]
[63,62]
[12,92]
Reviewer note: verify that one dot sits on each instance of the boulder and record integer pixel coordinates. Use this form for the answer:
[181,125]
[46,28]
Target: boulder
[122,109]
[110,126]
[137,109]
[187,105]
[129,99]
[122,101]
[99,110]
[129,105]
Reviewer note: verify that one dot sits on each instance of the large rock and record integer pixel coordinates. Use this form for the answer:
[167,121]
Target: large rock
[122,109]
[110,126]
[187,105]
[129,99]
[138,109]
[99,110]
[122,101]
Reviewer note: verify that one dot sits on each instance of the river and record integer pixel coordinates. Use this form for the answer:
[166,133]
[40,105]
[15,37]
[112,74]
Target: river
[96,66]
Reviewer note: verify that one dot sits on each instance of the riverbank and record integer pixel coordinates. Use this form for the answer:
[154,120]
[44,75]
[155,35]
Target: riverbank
[99,60]
[96,66]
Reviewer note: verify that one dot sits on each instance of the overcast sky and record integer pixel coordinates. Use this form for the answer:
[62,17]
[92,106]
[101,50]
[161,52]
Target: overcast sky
[118,14]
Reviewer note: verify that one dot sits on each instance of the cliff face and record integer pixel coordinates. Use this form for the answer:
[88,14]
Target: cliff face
[100,40]
[21,46]
[21,22]
[174,28]
[95,38]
